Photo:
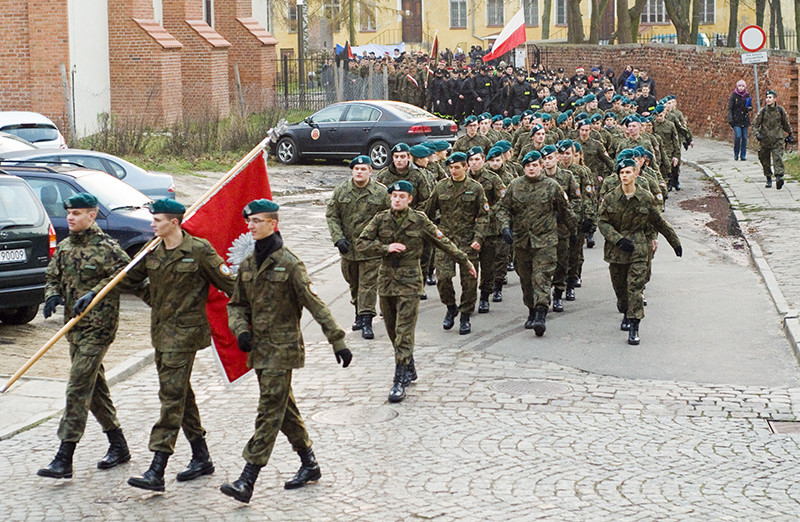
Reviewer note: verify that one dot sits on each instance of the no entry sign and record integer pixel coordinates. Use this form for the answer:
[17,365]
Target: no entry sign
[752,38]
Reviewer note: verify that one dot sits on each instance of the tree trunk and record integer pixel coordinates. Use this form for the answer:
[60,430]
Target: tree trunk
[733,33]
[797,22]
[760,5]
[546,19]
[352,21]
[598,10]
[574,22]
[696,7]
[772,25]
[679,15]
[624,22]
[779,23]
[635,16]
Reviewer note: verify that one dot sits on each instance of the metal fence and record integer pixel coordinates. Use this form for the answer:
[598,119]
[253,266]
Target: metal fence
[774,42]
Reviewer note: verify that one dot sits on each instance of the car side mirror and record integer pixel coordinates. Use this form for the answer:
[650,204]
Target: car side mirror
[310,122]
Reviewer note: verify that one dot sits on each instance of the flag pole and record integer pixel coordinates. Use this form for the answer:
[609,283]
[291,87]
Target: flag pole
[138,257]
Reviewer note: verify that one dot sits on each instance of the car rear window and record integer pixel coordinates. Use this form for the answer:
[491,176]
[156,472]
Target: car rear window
[111,192]
[18,205]
[33,132]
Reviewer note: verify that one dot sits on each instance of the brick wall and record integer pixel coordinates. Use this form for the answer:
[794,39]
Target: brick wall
[15,57]
[701,77]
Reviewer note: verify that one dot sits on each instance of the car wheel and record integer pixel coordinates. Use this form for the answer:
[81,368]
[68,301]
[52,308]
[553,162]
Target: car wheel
[379,154]
[22,315]
[287,151]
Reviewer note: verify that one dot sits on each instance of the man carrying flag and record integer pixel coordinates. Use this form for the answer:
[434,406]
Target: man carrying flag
[511,36]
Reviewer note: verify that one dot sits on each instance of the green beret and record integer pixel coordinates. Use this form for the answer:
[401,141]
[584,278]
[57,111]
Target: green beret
[663,100]
[402,186]
[549,99]
[589,98]
[616,98]
[627,162]
[672,96]
[564,145]
[581,123]
[648,154]
[638,151]
[258,206]
[775,94]
[400,147]
[581,116]
[577,146]
[456,157]
[81,200]
[504,145]
[515,120]
[546,117]
[658,109]
[439,145]
[477,149]
[580,102]
[483,117]
[527,112]
[568,112]
[596,117]
[537,115]
[494,152]
[487,115]
[506,122]
[536,128]
[470,119]
[497,117]
[611,114]
[361,160]
[562,118]
[625,154]
[166,206]
[530,157]
[547,150]
[420,151]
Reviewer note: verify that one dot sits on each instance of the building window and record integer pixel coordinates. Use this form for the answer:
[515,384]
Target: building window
[369,21]
[458,14]
[208,12]
[531,8]
[291,16]
[158,11]
[561,12]
[494,13]
[331,13]
[654,12]
[268,19]
[707,12]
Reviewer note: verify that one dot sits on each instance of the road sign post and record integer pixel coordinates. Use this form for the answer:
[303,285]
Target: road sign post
[752,39]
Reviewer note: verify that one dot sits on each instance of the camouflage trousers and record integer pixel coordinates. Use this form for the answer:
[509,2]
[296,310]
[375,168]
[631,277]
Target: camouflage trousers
[362,278]
[446,271]
[277,411]
[502,259]
[535,269]
[490,263]
[776,153]
[628,281]
[87,390]
[562,263]
[178,404]
[426,261]
[575,266]
[400,317]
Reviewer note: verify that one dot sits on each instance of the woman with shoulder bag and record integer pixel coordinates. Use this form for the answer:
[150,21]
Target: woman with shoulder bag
[739,106]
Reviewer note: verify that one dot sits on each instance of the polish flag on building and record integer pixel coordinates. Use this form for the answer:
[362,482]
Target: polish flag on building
[219,220]
[511,36]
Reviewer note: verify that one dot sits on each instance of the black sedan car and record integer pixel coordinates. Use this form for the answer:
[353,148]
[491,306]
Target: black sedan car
[122,211]
[346,129]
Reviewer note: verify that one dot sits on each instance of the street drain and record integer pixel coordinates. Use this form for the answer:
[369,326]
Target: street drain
[784,427]
[540,388]
[355,415]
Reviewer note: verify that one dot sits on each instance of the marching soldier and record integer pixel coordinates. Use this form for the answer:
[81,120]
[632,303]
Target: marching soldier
[472,137]
[403,169]
[770,126]
[271,290]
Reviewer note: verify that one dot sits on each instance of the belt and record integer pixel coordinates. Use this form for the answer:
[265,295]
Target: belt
[396,262]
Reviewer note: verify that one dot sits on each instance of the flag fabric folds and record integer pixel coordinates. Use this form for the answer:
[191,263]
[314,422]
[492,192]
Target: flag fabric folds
[435,48]
[219,220]
[512,35]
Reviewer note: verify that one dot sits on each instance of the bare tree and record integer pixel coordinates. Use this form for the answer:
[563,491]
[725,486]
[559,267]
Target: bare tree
[733,22]
[628,21]
[680,14]
[598,10]
[574,22]
[548,4]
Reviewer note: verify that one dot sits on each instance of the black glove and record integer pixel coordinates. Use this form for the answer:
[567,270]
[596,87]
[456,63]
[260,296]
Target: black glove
[83,303]
[587,225]
[789,139]
[245,341]
[686,145]
[625,244]
[678,251]
[51,303]
[508,236]
[343,245]
[758,137]
[344,357]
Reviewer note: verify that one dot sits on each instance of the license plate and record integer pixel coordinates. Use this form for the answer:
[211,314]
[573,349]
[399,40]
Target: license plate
[13,256]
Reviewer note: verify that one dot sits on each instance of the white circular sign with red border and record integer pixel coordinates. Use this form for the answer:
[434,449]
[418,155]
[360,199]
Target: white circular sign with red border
[752,38]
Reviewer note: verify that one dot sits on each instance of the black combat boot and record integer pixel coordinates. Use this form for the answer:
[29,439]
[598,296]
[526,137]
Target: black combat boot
[483,303]
[633,333]
[411,372]
[570,294]
[308,472]
[431,279]
[117,450]
[61,467]
[625,325]
[539,321]
[779,181]
[768,184]
[676,182]
[242,488]
[423,296]
[153,478]
[450,317]
[558,304]
[366,331]
[359,322]
[200,464]
[497,295]
[465,327]
[398,391]
[590,240]
[510,266]
[531,318]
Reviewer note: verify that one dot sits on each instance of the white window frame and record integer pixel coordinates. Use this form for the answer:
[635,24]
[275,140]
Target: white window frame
[561,12]
[708,13]
[462,12]
[499,12]
[531,10]
[654,12]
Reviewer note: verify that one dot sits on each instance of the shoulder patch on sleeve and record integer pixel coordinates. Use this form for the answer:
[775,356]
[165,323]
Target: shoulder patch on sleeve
[439,234]
[565,196]
[578,192]
[659,197]
[588,188]
[311,289]
[502,192]
[486,206]
[225,270]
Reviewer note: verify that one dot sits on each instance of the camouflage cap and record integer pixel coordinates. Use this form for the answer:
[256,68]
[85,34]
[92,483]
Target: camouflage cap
[401,186]
[530,157]
[361,160]
[258,206]
[166,206]
[456,157]
[81,200]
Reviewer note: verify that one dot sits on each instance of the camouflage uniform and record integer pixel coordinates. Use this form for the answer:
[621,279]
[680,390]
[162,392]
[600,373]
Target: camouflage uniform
[572,191]
[87,261]
[269,301]
[419,180]
[464,143]
[596,159]
[400,275]
[495,189]
[349,210]
[588,210]
[771,123]
[178,291]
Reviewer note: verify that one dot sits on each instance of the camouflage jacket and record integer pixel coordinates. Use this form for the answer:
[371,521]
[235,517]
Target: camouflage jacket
[585,180]
[350,209]
[87,261]
[495,189]
[269,301]
[530,207]
[645,181]
[596,158]
[464,210]
[684,132]
[400,272]
[635,219]
[772,123]
[419,180]
[669,138]
[464,143]
[570,186]
[178,291]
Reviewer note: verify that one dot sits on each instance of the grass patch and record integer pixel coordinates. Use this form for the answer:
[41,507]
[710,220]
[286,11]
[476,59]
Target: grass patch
[792,163]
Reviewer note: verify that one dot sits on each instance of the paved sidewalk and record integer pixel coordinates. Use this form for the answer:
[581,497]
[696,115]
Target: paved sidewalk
[769,219]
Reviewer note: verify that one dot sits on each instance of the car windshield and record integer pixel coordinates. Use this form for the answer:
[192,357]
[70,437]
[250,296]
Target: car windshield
[111,192]
[410,112]
[33,132]
[17,205]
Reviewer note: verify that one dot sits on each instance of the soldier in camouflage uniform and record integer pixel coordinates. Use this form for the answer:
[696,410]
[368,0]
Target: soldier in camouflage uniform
[570,159]
[80,267]
[532,203]
[599,164]
[272,289]
[464,215]
[403,169]
[353,204]
[770,126]
[397,235]
[179,272]
[472,137]
[627,217]
[536,141]
[684,133]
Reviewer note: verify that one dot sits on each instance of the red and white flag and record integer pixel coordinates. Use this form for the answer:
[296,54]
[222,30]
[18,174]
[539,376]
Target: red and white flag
[219,220]
[511,36]
[434,56]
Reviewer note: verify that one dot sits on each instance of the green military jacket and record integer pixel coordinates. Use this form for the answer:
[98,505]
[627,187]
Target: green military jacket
[464,210]
[530,207]
[572,190]
[464,143]
[596,158]
[400,272]
[83,262]
[351,208]
[419,180]
[493,136]
[585,180]
[495,189]
[178,291]
[669,139]
[633,218]
[772,124]
[677,117]
[269,301]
